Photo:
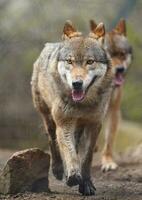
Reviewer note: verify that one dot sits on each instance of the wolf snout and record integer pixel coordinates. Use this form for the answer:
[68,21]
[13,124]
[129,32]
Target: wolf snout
[120,69]
[77,85]
[78,93]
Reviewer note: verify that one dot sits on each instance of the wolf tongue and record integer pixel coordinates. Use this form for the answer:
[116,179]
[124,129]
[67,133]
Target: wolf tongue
[77,95]
[119,79]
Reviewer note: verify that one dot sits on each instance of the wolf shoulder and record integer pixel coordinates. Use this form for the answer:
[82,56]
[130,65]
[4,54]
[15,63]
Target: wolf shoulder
[48,51]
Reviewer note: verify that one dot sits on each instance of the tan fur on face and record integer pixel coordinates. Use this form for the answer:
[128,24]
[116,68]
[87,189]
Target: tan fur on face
[78,73]
[116,62]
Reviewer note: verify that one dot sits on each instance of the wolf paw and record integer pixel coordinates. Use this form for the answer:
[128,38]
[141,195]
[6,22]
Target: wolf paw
[87,188]
[58,170]
[74,179]
[108,164]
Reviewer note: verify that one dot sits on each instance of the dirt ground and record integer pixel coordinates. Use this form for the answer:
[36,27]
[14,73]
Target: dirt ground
[123,184]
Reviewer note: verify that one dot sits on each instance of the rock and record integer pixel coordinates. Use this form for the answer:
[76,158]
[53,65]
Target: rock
[26,171]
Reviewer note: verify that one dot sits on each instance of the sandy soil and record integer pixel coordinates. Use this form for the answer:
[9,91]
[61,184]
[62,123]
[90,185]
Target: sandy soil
[123,184]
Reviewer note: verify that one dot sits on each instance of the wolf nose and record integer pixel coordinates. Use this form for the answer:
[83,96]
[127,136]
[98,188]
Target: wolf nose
[120,69]
[77,85]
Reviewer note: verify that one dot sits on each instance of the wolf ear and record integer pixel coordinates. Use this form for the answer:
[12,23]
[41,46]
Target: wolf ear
[97,31]
[93,25]
[70,31]
[121,27]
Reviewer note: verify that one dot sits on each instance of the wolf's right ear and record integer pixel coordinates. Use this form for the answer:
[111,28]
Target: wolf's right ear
[70,31]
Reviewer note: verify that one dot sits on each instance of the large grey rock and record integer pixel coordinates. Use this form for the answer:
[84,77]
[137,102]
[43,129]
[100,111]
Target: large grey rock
[26,171]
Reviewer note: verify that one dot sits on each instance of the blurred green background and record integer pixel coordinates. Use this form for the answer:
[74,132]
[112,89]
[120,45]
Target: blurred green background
[25,26]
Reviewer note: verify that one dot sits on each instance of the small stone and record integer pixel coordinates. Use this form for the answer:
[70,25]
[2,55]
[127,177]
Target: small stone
[26,171]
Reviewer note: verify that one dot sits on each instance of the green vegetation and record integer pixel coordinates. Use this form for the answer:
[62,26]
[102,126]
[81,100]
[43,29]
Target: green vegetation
[132,104]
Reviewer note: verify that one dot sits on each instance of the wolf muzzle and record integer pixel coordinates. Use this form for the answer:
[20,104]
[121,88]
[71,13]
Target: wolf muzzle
[120,69]
[78,93]
[77,85]
[119,75]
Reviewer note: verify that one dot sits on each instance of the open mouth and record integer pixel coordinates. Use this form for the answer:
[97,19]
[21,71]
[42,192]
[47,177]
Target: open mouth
[78,95]
[119,79]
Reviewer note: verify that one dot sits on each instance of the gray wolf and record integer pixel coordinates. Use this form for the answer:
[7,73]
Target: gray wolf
[119,51]
[71,88]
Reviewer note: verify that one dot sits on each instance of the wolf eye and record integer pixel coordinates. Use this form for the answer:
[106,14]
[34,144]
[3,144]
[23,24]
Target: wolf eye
[89,62]
[69,61]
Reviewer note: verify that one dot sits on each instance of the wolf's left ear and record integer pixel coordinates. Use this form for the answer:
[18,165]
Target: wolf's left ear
[70,31]
[121,27]
[97,31]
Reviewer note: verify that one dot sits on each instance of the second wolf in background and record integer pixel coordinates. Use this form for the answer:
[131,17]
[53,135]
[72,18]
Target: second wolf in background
[119,50]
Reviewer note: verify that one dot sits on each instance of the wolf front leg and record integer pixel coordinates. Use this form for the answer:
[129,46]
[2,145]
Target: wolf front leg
[90,137]
[57,164]
[41,106]
[113,118]
[108,162]
[66,142]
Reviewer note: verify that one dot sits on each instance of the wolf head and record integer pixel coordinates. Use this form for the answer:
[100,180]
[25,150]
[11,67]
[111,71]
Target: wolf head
[120,51]
[82,60]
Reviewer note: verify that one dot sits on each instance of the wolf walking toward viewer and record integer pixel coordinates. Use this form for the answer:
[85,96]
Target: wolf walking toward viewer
[71,87]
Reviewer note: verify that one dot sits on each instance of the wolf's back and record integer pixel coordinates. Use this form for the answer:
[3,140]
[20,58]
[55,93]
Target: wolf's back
[42,62]
[46,54]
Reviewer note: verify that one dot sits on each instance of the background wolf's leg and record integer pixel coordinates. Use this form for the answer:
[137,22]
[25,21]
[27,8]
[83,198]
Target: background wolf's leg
[57,164]
[66,142]
[110,134]
[86,152]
